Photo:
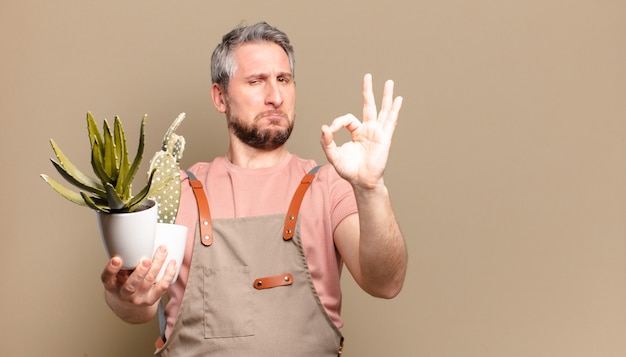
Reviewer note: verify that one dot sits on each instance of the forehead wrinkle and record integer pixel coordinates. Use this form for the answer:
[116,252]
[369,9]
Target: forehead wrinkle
[262,62]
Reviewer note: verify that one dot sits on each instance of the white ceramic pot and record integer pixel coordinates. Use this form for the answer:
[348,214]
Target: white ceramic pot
[174,238]
[129,236]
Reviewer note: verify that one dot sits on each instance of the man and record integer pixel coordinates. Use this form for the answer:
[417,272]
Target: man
[262,268]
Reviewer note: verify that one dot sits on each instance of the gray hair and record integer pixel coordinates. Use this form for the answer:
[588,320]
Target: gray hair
[223,63]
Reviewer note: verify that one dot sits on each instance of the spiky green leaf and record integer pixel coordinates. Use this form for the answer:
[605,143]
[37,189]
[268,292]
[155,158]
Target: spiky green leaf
[115,201]
[97,163]
[92,129]
[142,195]
[70,169]
[138,157]
[110,159]
[95,203]
[124,162]
[95,189]
[96,142]
[66,193]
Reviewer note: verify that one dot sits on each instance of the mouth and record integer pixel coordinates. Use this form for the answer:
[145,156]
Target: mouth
[273,117]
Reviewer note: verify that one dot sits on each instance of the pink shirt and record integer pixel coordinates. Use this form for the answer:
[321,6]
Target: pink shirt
[234,192]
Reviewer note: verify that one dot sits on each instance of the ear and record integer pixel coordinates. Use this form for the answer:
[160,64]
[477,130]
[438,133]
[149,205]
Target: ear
[219,97]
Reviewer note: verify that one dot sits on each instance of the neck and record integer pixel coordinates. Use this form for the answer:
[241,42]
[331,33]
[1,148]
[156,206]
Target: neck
[252,158]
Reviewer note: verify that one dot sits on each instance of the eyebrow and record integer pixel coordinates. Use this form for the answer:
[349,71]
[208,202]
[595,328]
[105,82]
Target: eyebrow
[286,74]
[267,75]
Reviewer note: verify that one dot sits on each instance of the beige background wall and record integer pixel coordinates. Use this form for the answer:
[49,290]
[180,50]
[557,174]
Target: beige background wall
[508,169]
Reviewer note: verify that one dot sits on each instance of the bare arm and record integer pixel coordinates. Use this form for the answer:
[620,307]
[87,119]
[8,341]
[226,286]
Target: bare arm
[134,296]
[370,243]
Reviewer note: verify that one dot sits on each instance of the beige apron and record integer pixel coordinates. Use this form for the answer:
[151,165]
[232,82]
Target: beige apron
[250,292]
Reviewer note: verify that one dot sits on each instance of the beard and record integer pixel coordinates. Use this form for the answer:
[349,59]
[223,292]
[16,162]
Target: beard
[256,137]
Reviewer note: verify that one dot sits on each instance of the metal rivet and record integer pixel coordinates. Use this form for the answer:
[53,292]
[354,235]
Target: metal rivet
[207,237]
[206,223]
[286,278]
[288,231]
[292,217]
[259,283]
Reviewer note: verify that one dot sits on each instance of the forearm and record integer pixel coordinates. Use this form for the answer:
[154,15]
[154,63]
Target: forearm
[129,312]
[382,250]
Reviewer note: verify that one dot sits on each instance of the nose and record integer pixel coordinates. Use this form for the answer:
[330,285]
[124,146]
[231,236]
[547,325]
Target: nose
[273,95]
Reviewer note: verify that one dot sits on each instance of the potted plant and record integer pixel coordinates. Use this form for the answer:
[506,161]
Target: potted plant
[127,221]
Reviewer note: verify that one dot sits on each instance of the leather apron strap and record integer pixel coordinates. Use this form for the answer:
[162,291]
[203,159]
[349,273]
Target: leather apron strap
[296,201]
[204,213]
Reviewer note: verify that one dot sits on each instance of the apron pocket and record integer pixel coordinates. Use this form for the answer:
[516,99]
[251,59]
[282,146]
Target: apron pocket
[227,302]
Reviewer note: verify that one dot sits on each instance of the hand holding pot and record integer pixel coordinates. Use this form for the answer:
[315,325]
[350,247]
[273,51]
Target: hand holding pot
[133,294]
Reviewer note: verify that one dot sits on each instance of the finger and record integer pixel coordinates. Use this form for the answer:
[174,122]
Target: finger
[328,143]
[327,140]
[387,101]
[369,102]
[109,274]
[392,116]
[348,121]
[157,261]
[170,271]
[136,279]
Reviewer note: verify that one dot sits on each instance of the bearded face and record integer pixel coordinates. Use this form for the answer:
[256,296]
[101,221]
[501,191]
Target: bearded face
[266,137]
[259,101]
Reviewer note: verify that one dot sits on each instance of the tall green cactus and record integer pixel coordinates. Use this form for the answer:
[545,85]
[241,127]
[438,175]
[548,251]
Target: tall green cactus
[166,168]
[111,191]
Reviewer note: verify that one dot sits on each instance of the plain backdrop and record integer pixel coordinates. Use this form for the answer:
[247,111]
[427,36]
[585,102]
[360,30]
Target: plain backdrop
[507,171]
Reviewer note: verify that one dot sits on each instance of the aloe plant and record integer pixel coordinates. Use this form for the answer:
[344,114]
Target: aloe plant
[111,190]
